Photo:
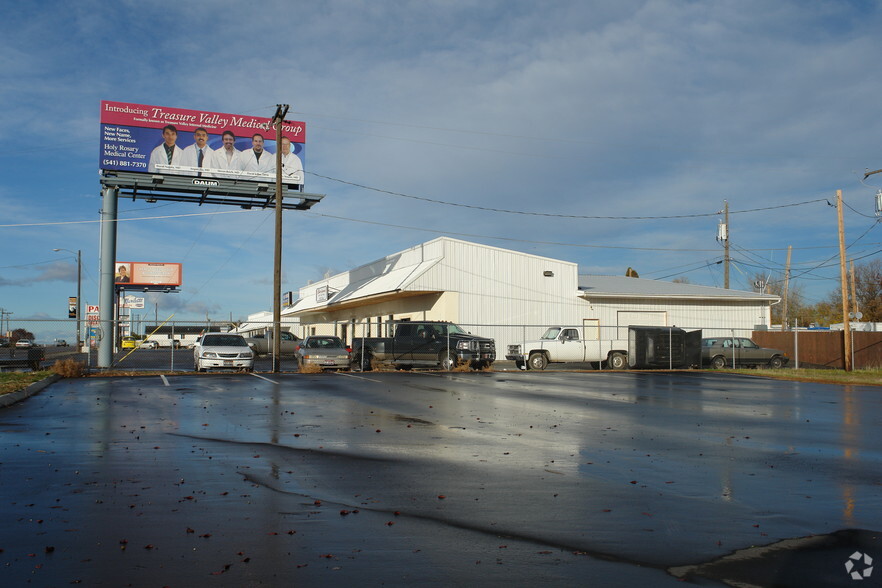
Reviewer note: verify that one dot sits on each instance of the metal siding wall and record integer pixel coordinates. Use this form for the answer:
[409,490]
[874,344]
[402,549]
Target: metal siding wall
[501,287]
[715,319]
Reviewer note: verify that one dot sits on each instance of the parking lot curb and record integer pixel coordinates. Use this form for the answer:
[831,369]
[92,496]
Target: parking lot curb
[19,395]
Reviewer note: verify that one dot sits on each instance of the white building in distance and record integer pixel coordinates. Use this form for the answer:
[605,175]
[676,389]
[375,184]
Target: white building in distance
[513,297]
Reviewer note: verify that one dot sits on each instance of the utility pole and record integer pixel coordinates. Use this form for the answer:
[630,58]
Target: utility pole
[4,314]
[723,236]
[846,325]
[278,119]
[726,255]
[79,301]
[786,287]
[854,298]
[79,295]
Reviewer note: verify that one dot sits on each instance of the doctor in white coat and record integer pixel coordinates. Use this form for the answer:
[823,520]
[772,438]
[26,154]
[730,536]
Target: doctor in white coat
[227,157]
[167,153]
[292,167]
[257,161]
[198,155]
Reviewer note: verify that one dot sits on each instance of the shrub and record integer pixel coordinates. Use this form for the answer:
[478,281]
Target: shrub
[69,368]
[310,368]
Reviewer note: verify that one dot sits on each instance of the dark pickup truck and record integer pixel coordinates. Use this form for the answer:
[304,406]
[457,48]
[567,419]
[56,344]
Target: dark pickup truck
[29,358]
[424,344]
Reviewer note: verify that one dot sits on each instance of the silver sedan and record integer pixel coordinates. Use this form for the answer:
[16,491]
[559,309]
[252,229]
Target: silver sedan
[322,351]
[226,351]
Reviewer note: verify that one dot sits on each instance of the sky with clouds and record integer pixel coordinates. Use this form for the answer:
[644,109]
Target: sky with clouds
[604,133]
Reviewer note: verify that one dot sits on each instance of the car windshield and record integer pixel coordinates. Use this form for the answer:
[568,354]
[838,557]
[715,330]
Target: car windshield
[551,333]
[224,341]
[324,342]
[452,329]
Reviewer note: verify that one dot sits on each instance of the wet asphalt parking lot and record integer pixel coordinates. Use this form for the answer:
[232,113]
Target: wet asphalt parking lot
[442,479]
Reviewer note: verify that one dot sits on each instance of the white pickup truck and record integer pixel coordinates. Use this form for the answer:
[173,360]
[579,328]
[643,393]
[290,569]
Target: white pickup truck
[564,344]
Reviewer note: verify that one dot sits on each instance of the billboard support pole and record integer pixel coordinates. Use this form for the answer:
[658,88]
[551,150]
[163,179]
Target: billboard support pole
[278,118]
[106,286]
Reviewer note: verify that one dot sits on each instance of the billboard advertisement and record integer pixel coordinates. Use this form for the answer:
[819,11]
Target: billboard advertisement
[134,273]
[176,141]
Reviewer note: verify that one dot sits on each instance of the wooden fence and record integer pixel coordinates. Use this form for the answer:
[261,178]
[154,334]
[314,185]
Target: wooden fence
[825,348]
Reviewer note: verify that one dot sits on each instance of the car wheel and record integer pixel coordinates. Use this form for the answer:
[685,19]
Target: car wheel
[718,362]
[448,361]
[776,363]
[537,361]
[617,360]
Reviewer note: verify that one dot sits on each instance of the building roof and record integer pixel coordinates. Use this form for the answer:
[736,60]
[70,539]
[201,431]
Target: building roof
[396,276]
[182,330]
[625,287]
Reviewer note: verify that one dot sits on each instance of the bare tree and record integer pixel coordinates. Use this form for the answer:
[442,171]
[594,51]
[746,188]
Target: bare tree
[868,296]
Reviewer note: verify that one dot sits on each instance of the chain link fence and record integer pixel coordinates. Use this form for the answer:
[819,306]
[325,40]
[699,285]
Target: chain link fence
[168,346]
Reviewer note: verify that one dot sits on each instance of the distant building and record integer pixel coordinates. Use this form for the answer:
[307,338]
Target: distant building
[259,323]
[186,335]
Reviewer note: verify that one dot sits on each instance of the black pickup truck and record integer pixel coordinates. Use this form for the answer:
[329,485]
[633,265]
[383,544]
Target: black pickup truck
[424,344]
[31,358]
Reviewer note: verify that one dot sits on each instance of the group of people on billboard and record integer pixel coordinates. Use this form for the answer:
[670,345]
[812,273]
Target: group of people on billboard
[199,159]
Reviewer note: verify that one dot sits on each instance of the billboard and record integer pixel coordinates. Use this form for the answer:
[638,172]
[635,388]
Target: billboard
[176,141]
[132,302]
[134,273]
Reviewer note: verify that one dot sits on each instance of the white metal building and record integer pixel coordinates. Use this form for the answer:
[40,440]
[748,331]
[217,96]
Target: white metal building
[512,296]
[259,323]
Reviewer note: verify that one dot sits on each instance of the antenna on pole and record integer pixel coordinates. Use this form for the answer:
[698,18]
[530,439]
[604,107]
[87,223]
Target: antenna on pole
[723,237]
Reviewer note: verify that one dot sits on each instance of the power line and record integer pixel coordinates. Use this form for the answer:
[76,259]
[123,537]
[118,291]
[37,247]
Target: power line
[554,215]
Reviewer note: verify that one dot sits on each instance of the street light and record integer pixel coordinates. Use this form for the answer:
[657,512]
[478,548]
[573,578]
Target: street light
[79,295]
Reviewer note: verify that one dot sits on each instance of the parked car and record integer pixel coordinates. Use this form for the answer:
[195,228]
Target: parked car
[568,344]
[129,343]
[222,351]
[262,343]
[720,352]
[424,344]
[24,343]
[324,351]
[149,344]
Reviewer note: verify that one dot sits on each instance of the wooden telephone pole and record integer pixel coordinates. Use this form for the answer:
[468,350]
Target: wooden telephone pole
[846,322]
[784,311]
[278,119]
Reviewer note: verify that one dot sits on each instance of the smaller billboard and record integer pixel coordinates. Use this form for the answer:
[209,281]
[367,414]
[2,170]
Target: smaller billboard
[135,273]
[133,302]
[72,307]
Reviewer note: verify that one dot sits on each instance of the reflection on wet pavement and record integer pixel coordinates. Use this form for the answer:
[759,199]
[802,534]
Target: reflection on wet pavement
[441,479]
